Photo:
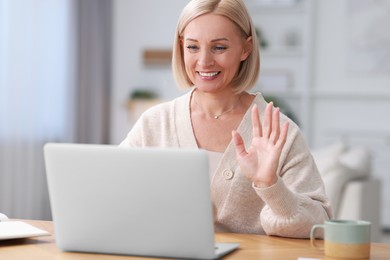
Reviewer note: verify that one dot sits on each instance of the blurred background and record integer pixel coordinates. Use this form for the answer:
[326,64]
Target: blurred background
[82,71]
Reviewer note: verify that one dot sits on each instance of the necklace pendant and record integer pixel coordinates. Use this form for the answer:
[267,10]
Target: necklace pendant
[216,117]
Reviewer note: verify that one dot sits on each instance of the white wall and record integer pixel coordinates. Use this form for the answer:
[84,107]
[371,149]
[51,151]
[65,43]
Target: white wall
[138,25]
[335,29]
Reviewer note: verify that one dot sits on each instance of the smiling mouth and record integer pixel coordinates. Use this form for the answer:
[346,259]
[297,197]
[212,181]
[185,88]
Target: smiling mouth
[208,74]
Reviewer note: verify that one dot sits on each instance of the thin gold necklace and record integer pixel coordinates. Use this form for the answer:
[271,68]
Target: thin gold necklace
[224,112]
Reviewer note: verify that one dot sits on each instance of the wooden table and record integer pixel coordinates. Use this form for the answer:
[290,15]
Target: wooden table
[251,247]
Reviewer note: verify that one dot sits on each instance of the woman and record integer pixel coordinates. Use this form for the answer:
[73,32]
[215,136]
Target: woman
[263,177]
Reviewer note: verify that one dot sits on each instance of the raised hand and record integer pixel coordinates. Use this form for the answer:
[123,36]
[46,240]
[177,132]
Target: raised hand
[260,162]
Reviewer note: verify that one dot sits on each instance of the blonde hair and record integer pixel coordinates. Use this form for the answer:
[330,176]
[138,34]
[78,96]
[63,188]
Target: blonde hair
[236,12]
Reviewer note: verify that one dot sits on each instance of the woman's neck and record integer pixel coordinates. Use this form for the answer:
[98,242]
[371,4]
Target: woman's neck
[216,105]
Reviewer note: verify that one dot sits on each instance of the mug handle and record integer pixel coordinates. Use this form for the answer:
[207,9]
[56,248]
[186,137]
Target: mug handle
[312,235]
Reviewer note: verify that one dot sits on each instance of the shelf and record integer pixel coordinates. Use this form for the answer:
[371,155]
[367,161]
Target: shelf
[157,56]
[136,107]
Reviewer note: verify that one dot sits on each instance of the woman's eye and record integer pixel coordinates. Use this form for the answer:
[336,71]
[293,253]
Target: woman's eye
[220,48]
[192,48]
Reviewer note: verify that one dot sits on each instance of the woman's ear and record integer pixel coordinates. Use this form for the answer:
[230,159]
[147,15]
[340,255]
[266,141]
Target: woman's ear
[248,45]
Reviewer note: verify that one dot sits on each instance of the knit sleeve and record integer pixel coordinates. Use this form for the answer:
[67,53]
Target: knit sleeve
[297,200]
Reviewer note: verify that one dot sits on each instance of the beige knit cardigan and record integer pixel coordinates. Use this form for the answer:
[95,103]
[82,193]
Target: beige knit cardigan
[289,208]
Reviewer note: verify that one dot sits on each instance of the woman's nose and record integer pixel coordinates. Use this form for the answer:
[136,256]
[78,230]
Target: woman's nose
[205,59]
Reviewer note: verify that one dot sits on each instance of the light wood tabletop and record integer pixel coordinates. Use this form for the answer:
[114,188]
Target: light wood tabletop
[251,247]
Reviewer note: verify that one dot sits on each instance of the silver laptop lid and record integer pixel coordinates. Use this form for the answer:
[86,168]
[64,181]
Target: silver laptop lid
[150,202]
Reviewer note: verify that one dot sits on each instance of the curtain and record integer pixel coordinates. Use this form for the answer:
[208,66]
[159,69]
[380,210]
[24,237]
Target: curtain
[54,87]
[94,60]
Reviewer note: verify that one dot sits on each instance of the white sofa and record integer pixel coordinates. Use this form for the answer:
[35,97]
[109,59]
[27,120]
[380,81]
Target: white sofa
[353,192]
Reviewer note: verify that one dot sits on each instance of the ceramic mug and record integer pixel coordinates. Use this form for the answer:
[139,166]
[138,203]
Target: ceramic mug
[344,238]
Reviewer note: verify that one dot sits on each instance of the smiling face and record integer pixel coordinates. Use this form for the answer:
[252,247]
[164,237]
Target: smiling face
[213,50]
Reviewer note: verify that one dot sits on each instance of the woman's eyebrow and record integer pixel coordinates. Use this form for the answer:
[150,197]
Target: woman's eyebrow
[220,39]
[214,40]
[191,40]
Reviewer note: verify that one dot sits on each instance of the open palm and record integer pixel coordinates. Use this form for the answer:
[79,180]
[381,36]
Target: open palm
[260,162]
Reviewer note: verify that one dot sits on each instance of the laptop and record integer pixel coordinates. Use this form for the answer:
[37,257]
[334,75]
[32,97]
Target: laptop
[132,201]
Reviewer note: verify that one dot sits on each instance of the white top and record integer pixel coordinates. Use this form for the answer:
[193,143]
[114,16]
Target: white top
[214,159]
[288,208]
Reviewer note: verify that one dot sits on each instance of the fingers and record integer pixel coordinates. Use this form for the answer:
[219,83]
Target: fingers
[283,135]
[267,122]
[238,143]
[270,128]
[275,125]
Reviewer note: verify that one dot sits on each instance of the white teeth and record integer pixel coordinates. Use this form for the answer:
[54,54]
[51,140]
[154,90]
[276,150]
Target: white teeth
[210,74]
